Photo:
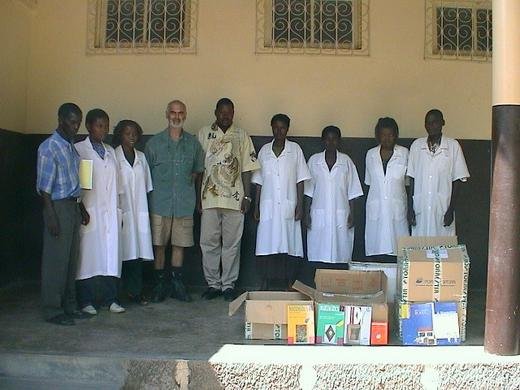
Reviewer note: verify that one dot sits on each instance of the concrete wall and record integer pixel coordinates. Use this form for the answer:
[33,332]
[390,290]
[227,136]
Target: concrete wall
[353,92]
[15,24]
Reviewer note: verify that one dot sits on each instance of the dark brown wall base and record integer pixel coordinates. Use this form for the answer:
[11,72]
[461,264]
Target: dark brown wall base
[21,223]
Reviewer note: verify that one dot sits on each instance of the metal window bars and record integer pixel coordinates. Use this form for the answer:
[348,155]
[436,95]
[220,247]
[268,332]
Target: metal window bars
[142,26]
[336,27]
[458,30]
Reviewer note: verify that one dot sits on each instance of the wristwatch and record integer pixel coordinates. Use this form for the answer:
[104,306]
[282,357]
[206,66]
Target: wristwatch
[248,199]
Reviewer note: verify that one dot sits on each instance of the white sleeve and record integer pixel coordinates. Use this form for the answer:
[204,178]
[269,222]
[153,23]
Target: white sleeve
[368,179]
[410,171]
[256,176]
[308,185]
[303,173]
[460,169]
[354,189]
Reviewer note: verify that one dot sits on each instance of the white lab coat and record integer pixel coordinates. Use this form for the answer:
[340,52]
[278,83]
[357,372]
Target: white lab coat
[136,182]
[386,207]
[329,239]
[434,175]
[100,246]
[278,232]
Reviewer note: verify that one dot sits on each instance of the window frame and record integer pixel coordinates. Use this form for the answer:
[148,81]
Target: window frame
[360,33]
[433,49]
[96,36]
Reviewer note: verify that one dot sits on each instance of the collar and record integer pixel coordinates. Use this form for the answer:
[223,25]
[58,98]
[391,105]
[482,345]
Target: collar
[340,159]
[120,155]
[58,137]
[286,149]
[166,134]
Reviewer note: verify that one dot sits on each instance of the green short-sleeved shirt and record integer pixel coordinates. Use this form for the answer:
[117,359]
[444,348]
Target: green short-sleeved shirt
[172,164]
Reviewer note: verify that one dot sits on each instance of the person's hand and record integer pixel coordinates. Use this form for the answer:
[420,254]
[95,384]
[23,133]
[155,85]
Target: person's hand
[199,206]
[53,224]
[245,206]
[448,218]
[411,217]
[256,214]
[85,217]
[298,213]
[350,221]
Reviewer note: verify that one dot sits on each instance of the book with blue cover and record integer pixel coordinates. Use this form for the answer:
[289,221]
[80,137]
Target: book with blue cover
[431,323]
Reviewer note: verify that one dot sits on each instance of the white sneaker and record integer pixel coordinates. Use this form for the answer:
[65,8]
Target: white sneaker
[89,310]
[115,308]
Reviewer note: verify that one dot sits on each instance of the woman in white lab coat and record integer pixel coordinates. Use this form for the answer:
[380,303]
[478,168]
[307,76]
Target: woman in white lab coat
[279,204]
[329,212]
[386,207]
[136,182]
[99,267]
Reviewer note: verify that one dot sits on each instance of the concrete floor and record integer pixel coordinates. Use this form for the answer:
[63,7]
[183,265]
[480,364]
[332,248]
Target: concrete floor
[194,330]
[112,350]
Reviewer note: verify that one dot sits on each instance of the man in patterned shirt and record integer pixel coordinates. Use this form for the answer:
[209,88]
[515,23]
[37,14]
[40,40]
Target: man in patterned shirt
[230,159]
[58,184]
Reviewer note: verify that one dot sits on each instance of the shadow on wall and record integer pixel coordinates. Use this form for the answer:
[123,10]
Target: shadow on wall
[21,222]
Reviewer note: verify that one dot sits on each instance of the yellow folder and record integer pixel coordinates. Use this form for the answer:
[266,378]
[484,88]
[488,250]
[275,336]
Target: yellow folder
[85,174]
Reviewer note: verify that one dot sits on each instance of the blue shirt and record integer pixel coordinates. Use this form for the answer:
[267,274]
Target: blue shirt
[58,168]
[172,165]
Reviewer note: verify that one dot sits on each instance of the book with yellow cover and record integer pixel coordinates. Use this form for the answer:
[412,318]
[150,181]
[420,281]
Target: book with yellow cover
[300,324]
[85,174]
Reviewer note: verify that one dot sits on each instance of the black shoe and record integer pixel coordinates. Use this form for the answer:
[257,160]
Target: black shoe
[79,315]
[179,291]
[230,294]
[211,293]
[61,319]
[160,291]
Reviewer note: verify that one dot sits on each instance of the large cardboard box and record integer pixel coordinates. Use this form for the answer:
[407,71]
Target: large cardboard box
[358,288]
[432,323]
[432,269]
[266,313]
[434,274]
[390,270]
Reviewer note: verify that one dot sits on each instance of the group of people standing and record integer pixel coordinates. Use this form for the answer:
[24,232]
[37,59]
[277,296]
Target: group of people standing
[140,203]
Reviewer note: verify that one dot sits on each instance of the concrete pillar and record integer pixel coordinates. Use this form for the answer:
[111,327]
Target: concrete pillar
[502,334]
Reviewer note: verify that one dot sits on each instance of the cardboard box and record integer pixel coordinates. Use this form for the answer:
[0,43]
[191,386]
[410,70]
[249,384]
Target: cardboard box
[379,333]
[390,270]
[349,288]
[358,322]
[403,307]
[330,323]
[432,323]
[266,313]
[429,269]
[434,274]
[300,323]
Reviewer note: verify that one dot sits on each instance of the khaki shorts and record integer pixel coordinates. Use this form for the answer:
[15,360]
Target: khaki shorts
[177,230]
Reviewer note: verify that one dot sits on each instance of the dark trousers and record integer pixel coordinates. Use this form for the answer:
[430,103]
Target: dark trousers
[132,277]
[97,291]
[59,261]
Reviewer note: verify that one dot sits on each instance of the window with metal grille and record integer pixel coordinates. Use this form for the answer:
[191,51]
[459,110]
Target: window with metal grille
[312,26]
[119,26]
[460,29]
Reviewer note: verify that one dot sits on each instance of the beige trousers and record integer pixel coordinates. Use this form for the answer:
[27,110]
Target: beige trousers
[220,237]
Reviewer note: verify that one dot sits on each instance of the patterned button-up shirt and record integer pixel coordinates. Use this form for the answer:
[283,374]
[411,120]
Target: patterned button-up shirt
[172,165]
[58,168]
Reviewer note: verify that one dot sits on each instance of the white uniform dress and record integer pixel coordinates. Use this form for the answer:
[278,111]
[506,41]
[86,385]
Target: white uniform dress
[434,174]
[136,182]
[386,201]
[329,239]
[100,252]
[278,232]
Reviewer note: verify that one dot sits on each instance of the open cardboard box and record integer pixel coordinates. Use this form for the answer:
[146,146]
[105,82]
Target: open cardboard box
[362,288]
[266,312]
